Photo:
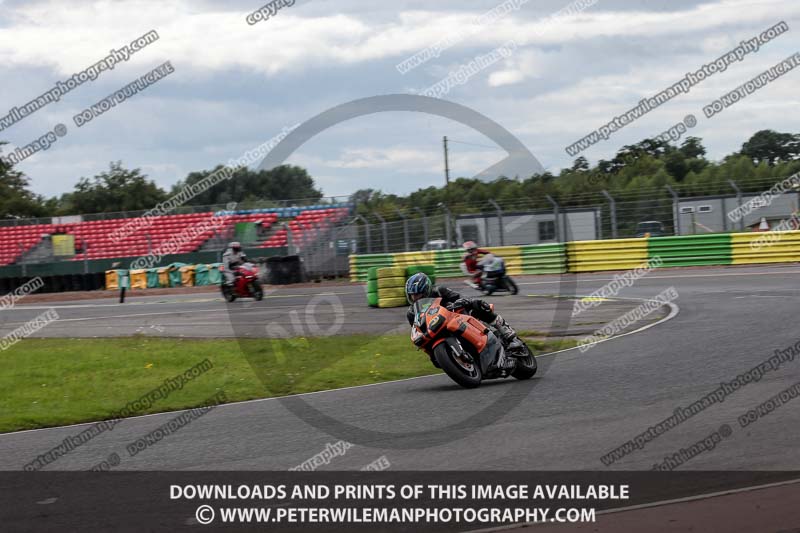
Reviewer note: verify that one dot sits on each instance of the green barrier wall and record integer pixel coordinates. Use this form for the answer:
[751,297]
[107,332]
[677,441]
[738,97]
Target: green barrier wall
[544,259]
[691,250]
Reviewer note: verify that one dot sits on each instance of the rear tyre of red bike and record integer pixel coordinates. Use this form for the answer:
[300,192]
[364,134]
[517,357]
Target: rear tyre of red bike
[257,291]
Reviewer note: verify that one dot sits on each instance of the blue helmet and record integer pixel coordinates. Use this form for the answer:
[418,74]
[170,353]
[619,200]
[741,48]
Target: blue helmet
[418,286]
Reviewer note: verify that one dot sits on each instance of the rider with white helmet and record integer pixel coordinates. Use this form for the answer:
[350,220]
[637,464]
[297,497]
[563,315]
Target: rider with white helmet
[469,263]
[233,257]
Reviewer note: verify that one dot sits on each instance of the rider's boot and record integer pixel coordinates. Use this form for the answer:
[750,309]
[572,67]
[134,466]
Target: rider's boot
[474,282]
[507,334]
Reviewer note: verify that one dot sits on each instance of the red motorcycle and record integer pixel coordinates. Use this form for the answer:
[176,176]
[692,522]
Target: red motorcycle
[245,284]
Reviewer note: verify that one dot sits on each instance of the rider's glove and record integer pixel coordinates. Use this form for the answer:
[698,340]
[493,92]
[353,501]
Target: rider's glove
[461,303]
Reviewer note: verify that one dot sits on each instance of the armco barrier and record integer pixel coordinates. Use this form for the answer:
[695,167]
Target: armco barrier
[771,247]
[448,263]
[616,254]
[543,259]
[406,259]
[612,254]
[691,250]
[530,259]
[360,264]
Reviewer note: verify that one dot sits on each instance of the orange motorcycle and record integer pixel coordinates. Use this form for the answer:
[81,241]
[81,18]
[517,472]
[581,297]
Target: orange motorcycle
[466,349]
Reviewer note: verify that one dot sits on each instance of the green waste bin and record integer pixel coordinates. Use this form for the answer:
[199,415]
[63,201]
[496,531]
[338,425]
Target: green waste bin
[201,275]
[175,274]
[214,274]
[152,278]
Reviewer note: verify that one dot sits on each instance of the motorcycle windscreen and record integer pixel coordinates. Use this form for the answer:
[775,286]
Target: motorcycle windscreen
[419,308]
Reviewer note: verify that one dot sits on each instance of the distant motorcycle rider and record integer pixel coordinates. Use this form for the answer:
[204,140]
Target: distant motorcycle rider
[420,286]
[469,263]
[232,258]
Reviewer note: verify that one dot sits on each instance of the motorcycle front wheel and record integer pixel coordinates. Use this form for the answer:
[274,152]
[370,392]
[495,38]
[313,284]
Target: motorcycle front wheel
[464,372]
[228,293]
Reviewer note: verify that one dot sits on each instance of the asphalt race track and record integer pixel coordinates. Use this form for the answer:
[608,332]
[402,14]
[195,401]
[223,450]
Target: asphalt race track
[583,405]
[343,306]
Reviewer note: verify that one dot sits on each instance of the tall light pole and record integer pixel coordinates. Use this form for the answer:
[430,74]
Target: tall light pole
[446,164]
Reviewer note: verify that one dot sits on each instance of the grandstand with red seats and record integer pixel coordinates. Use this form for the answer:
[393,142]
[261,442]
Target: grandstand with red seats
[95,239]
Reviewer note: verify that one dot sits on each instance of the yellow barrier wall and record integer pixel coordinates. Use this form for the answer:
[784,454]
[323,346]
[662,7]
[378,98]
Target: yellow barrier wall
[765,247]
[406,259]
[512,256]
[615,254]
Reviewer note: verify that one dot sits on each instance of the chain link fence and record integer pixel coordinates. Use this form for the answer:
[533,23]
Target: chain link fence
[534,219]
[586,216]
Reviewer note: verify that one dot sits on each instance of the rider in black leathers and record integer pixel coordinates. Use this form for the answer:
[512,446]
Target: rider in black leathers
[420,286]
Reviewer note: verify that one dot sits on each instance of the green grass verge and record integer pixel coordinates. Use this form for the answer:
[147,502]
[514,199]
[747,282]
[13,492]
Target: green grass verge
[49,382]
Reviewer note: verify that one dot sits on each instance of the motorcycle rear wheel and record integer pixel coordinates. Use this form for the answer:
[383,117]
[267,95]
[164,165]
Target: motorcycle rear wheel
[466,374]
[488,288]
[526,366]
[257,291]
[512,287]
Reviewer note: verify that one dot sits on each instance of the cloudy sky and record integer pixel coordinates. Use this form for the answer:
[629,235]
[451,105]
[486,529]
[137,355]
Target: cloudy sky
[236,85]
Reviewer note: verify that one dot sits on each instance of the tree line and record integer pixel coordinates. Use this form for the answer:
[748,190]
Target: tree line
[637,173]
[634,173]
[123,189]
